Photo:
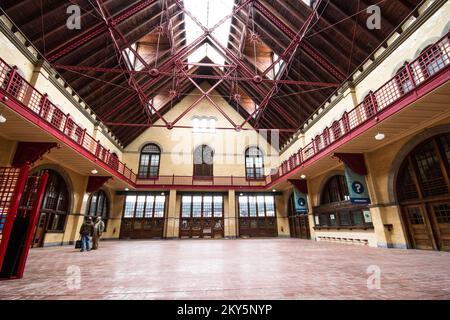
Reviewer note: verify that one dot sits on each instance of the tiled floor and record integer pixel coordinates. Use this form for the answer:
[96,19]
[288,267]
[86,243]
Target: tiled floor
[230,269]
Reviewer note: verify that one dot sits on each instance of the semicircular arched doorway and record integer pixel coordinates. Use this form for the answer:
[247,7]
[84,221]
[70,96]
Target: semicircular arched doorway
[423,191]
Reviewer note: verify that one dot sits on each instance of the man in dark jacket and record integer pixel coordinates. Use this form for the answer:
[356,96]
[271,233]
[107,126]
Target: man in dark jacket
[86,231]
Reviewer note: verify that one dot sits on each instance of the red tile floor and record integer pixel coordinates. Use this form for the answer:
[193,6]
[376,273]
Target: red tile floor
[230,269]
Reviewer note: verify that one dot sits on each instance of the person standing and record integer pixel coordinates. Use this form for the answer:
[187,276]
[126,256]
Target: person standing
[99,227]
[86,231]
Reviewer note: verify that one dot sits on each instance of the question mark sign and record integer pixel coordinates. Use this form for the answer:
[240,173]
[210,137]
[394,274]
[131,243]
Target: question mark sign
[358,187]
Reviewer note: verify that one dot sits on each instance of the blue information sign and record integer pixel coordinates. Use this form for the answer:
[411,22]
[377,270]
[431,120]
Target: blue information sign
[301,202]
[357,187]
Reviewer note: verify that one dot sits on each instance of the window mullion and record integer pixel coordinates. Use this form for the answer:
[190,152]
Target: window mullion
[154,206]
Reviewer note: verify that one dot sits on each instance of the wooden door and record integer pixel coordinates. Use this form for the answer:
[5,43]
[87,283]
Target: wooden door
[218,228]
[196,228]
[203,162]
[440,217]
[420,230]
[303,225]
[153,228]
[258,227]
[292,227]
[299,227]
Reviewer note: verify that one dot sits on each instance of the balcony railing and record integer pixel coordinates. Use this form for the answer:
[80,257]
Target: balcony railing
[216,181]
[412,76]
[38,104]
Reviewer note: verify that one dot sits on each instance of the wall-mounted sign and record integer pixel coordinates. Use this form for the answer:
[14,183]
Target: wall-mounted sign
[301,202]
[367,216]
[357,187]
[300,196]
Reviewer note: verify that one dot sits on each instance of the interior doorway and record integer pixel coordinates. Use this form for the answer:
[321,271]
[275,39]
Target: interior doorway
[423,190]
[54,209]
[298,223]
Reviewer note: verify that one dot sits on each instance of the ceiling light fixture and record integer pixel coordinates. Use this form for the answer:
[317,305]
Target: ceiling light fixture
[94,171]
[126,189]
[303,176]
[380,136]
[2,118]
[274,190]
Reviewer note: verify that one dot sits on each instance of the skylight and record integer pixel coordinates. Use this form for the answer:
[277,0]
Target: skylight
[129,57]
[277,67]
[208,13]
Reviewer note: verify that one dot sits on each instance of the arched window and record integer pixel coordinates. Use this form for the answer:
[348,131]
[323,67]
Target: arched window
[56,201]
[254,163]
[426,167]
[54,208]
[98,206]
[370,106]
[336,209]
[149,162]
[403,79]
[203,162]
[423,191]
[335,190]
[433,60]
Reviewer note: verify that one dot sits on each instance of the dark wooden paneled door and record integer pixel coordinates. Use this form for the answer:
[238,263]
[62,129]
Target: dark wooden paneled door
[299,227]
[262,227]
[298,223]
[203,162]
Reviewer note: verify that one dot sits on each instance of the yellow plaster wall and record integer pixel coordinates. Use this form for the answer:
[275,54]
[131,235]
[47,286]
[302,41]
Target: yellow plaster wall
[7,149]
[282,215]
[178,144]
[13,56]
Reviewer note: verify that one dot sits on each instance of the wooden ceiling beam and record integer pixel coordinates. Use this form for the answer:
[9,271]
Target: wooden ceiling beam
[323,21]
[360,24]
[99,29]
[276,40]
[323,60]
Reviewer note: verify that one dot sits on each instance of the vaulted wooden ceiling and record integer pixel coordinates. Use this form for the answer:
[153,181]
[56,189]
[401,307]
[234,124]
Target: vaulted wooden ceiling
[88,60]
